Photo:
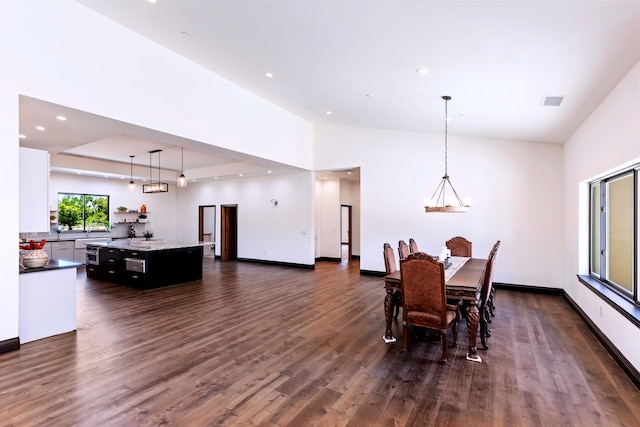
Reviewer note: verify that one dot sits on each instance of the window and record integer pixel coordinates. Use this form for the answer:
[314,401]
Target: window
[614,233]
[83,212]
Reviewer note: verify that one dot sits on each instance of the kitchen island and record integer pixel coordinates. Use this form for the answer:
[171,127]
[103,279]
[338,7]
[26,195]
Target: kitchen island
[145,264]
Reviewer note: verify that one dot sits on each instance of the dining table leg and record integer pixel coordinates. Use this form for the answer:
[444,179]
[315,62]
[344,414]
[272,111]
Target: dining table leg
[388,316]
[473,320]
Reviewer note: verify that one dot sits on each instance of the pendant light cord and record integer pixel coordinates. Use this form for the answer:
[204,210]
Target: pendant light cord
[446,132]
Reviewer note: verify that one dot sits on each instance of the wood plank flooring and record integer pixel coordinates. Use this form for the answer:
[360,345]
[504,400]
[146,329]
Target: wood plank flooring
[275,346]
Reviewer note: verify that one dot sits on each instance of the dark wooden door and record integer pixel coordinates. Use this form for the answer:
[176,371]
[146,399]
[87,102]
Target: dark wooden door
[229,228]
[346,224]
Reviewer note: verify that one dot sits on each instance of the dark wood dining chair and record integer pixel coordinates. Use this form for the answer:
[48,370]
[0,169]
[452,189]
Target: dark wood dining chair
[390,267]
[459,246]
[413,246]
[485,297]
[403,249]
[424,299]
[492,306]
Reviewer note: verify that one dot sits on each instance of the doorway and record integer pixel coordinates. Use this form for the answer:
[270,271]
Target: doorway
[345,233]
[229,233]
[207,228]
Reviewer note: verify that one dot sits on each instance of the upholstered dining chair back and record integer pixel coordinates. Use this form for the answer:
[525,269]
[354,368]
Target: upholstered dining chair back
[389,259]
[403,249]
[413,246]
[459,246]
[424,300]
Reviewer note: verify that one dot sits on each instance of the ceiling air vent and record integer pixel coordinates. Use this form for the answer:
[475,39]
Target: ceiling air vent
[552,101]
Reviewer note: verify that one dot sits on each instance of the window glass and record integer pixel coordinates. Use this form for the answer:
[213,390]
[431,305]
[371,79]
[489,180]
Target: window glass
[620,223]
[595,229]
[83,212]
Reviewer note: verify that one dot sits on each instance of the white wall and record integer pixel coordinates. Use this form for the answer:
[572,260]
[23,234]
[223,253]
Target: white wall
[160,206]
[513,185]
[609,138]
[281,233]
[62,52]
[327,228]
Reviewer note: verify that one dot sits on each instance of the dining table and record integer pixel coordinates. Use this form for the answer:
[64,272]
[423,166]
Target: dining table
[463,280]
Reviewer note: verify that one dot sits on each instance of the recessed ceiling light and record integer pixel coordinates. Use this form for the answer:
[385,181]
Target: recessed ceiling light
[268,171]
[215,177]
[241,175]
[61,118]
[423,71]
[152,1]
[329,112]
[40,128]
[268,75]
[21,136]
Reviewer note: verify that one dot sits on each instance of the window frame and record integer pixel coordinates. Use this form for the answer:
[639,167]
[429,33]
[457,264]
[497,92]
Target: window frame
[601,278]
[107,223]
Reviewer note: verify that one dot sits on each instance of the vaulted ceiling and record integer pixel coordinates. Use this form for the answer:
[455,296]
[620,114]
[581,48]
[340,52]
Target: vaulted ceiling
[355,62]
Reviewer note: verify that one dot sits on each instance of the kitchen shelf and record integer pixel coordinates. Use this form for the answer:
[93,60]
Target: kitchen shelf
[131,217]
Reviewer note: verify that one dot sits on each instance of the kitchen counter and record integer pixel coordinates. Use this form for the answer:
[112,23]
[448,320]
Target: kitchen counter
[146,245]
[54,264]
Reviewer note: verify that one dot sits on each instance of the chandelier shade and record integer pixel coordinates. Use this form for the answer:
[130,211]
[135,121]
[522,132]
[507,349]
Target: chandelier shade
[155,187]
[445,198]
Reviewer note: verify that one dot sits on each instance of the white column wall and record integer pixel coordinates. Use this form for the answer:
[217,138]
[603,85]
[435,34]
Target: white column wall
[608,139]
[62,52]
[514,187]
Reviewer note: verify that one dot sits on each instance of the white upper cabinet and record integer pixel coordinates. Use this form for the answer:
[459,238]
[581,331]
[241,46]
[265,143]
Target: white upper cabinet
[34,190]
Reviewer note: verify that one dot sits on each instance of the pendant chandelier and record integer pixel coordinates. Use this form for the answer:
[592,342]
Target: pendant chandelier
[132,185]
[155,187]
[182,180]
[444,200]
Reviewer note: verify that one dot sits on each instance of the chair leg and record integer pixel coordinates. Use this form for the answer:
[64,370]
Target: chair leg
[444,346]
[483,327]
[405,332]
[492,307]
[455,333]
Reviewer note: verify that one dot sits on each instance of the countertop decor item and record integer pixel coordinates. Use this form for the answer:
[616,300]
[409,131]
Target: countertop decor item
[32,254]
[148,234]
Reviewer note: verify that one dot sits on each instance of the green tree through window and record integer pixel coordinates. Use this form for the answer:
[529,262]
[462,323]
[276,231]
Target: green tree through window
[83,212]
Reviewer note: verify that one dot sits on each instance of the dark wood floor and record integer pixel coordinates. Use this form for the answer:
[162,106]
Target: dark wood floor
[275,346]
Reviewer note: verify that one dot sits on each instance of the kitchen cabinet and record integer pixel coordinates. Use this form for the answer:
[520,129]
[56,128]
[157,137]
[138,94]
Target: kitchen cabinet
[33,206]
[47,301]
[147,265]
[63,250]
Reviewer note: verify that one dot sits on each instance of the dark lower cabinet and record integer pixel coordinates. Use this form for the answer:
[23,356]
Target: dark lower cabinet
[149,269]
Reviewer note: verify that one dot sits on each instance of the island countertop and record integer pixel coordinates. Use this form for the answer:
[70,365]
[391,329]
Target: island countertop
[146,245]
